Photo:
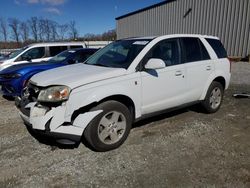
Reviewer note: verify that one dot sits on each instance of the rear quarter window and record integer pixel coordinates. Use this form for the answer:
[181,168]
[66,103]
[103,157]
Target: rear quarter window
[217,47]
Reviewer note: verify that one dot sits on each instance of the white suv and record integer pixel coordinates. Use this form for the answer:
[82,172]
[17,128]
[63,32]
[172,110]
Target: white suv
[125,81]
[38,52]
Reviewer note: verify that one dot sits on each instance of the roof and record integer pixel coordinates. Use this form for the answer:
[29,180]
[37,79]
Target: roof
[56,43]
[144,9]
[140,38]
[171,36]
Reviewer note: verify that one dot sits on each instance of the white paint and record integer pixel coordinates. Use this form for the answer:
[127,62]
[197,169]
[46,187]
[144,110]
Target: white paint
[83,119]
[150,90]
[14,61]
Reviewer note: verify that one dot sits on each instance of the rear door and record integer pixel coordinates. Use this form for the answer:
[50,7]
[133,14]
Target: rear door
[198,65]
[163,88]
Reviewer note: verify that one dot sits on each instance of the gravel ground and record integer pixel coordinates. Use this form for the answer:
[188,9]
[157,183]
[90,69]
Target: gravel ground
[184,148]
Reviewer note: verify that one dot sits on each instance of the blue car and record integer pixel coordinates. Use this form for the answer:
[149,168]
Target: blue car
[13,79]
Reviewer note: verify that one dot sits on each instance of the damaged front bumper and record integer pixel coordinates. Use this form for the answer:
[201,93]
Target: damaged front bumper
[51,121]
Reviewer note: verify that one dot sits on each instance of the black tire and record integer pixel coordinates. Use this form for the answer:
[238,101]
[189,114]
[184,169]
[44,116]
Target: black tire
[92,131]
[212,107]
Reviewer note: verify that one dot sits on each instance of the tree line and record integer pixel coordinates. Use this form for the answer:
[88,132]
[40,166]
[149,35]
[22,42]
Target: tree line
[13,30]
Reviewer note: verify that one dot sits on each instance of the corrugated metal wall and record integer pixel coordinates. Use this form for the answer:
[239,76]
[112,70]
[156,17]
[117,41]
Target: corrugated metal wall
[227,19]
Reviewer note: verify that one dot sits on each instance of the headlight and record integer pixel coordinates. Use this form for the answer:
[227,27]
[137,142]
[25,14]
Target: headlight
[10,76]
[54,94]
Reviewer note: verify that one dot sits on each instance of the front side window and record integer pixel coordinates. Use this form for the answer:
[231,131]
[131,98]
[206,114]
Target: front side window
[16,53]
[34,53]
[119,54]
[167,50]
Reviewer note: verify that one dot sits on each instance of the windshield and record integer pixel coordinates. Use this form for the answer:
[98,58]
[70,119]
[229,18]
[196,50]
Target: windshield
[17,52]
[62,56]
[119,54]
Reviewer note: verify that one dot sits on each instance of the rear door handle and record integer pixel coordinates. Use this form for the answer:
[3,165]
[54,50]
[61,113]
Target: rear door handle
[178,73]
[208,67]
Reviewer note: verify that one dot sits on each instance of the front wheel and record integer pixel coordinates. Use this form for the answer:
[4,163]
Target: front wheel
[110,128]
[213,98]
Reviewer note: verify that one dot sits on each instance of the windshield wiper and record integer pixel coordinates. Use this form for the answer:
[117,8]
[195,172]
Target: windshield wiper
[100,65]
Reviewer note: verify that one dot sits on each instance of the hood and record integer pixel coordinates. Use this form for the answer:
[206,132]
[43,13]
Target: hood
[18,67]
[76,75]
[27,67]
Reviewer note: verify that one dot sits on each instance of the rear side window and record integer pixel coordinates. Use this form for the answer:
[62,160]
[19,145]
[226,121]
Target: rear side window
[218,48]
[79,46]
[204,53]
[54,50]
[194,50]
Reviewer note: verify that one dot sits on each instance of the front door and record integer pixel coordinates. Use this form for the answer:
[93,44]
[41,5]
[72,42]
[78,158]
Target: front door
[164,88]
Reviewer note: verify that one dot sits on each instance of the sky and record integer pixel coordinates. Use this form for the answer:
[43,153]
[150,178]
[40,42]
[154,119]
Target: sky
[91,16]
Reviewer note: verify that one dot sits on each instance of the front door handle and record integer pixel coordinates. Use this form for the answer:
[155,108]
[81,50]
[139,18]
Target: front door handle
[178,73]
[208,67]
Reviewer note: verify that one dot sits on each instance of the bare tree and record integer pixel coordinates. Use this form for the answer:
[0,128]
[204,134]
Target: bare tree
[73,32]
[3,29]
[24,31]
[41,30]
[62,31]
[53,29]
[47,30]
[109,35]
[34,26]
[44,29]
[14,26]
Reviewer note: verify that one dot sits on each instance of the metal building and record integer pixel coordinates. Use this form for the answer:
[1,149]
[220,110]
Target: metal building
[227,19]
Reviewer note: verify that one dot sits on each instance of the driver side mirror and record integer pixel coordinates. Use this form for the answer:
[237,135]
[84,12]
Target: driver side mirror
[155,63]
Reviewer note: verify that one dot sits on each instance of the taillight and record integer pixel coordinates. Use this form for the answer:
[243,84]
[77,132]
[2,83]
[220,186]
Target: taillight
[230,62]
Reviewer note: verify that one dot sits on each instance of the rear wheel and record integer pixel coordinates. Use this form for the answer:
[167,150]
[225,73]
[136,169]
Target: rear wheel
[110,128]
[213,98]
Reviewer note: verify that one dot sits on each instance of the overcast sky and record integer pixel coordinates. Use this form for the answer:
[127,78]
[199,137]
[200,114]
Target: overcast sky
[91,16]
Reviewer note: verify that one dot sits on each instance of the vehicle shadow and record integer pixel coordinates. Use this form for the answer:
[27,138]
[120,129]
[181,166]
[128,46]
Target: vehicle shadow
[50,141]
[164,115]
[168,114]
[8,98]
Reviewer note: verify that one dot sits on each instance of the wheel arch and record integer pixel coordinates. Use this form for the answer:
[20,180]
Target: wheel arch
[219,79]
[127,101]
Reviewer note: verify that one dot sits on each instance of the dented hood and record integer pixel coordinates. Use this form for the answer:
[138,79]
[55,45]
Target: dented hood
[75,75]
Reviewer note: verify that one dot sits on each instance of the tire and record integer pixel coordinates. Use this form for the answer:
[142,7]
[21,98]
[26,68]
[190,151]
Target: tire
[109,129]
[214,97]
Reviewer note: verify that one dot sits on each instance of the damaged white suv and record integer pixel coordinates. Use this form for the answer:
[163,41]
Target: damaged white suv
[122,83]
